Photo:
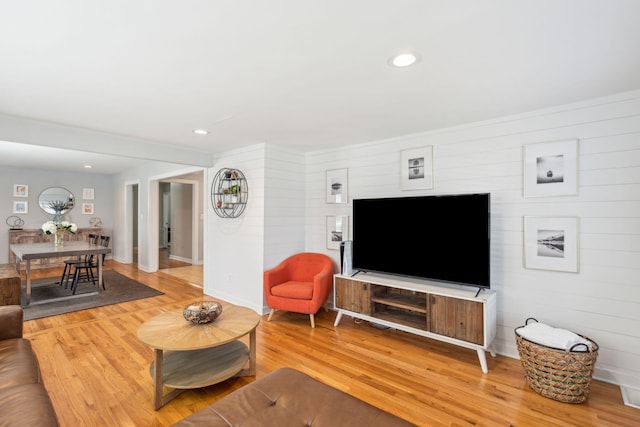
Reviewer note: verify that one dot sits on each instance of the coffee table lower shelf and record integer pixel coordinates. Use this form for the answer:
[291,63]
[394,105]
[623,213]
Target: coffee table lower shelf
[189,369]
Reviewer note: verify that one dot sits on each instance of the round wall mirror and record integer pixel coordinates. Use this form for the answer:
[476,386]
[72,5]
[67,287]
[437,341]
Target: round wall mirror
[56,200]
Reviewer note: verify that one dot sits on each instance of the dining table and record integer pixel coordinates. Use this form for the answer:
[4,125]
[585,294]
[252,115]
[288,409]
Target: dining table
[25,252]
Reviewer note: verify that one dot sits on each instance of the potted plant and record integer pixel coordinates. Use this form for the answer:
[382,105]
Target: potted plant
[59,207]
[234,190]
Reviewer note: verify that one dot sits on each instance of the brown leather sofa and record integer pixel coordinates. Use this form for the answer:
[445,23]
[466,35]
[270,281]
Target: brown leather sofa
[23,399]
[287,397]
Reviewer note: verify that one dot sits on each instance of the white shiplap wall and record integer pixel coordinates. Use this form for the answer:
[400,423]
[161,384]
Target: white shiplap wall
[234,252]
[602,300]
[284,213]
[238,250]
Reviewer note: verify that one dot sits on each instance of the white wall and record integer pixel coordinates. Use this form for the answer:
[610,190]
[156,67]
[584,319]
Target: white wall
[238,250]
[284,205]
[38,180]
[602,300]
[234,253]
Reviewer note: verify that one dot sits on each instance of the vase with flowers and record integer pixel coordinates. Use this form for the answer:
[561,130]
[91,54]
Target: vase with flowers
[58,230]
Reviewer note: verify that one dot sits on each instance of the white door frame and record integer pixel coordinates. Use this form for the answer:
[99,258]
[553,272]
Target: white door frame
[195,215]
[129,219]
[166,218]
[153,216]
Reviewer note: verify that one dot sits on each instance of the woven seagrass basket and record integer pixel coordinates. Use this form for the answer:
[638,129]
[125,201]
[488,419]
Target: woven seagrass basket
[562,375]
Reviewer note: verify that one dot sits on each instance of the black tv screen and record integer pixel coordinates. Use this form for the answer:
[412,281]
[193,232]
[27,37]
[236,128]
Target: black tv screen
[444,238]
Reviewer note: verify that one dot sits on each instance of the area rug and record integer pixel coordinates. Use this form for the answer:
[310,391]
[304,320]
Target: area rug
[119,289]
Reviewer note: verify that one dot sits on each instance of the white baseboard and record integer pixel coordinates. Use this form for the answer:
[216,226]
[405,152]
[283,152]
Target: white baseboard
[630,396]
[182,259]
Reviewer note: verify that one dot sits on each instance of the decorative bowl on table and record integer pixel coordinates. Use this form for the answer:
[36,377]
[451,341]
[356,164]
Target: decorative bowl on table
[202,312]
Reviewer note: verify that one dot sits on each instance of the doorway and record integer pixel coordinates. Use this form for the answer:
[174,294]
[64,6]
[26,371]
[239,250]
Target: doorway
[165,231]
[150,247]
[131,226]
[176,222]
[179,237]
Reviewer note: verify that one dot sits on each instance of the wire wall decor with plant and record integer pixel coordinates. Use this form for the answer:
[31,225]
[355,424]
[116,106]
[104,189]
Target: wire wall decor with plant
[229,193]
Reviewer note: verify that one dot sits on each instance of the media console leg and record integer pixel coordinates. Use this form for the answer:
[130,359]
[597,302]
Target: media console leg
[483,360]
[338,318]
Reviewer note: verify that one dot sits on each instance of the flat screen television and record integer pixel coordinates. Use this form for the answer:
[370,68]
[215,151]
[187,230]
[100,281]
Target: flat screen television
[444,238]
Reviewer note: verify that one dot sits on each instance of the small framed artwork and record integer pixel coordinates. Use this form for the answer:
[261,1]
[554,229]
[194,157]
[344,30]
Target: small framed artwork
[337,185]
[20,207]
[551,243]
[87,193]
[416,168]
[20,190]
[337,231]
[551,168]
[87,208]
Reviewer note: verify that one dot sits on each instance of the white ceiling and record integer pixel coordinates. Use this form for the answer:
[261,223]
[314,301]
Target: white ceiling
[306,74]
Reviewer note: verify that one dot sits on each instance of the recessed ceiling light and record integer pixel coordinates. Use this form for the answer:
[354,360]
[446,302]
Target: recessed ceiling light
[201,131]
[404,59]
[87,166]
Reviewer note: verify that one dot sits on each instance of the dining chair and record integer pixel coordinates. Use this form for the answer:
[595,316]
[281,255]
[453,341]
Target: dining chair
[87,271]
[69,264]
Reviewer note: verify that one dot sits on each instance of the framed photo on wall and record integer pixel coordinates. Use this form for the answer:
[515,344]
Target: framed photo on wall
[20,190]
[87,193]
[416,168]
[20,207]
[551,243]
[337,231]
[551,168]
[87,208]
[337,186]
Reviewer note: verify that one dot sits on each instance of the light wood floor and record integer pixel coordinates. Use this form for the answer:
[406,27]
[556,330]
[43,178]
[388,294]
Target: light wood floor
[190,273]
[97,372]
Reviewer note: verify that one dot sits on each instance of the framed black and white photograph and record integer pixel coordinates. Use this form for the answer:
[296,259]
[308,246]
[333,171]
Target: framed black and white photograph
[337,186]
[87,193]
[20,190]
[20,207]
[551,243]
[337,231]
[416,168]
[87,208]
[551,168]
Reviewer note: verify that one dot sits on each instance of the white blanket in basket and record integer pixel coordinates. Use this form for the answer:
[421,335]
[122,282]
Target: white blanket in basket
[541,333]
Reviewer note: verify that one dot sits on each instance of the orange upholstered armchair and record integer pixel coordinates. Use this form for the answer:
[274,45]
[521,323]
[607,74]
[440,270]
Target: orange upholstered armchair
[300,283]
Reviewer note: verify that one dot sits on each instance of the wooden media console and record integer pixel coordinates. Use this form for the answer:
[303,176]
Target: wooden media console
[450,313]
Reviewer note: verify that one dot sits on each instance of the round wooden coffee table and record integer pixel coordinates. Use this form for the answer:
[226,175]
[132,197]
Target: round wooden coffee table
[198,355]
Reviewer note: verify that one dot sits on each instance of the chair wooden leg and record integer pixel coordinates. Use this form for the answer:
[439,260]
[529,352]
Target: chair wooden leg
[74,283]
[65,275]
[90,276]
[313,321]
[273,310]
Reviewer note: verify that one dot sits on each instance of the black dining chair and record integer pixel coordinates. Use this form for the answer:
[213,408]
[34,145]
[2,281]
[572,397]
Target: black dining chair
[70,264]
[88,271]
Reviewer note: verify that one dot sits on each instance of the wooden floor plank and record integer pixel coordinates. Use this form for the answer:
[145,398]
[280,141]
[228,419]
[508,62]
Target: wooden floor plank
[97,372]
